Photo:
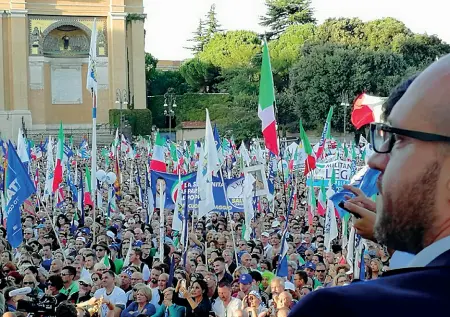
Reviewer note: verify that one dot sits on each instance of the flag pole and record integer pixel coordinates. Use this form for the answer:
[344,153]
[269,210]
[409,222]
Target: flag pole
[94,155]
[161,223]
[229,216]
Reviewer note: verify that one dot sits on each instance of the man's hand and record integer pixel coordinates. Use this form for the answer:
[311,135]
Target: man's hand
[360,198]
[365,208]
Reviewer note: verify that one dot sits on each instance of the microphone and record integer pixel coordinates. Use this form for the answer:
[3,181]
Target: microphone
[20,291]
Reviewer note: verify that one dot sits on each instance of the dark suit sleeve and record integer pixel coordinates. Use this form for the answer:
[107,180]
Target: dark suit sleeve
[316,304]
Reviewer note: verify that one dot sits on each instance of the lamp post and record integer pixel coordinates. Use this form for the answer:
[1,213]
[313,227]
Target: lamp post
[169,107]
[345,104]
[121,99]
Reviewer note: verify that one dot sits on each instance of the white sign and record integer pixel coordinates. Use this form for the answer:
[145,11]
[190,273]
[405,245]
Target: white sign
[66,85]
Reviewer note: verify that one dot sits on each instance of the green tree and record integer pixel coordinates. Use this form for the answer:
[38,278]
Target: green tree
[150,66]
[161,81]
[285,50]
[231,49]
[199,38]
[381,33]
[283,13]
[201,76]
[420,49]
[342,31]
[212,25]
[324,71]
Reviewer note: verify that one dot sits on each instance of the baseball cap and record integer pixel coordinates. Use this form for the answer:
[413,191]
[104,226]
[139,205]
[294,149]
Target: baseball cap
[275,224]
[310,265]
[289,286]
[265,234]
[245,279]
[85,281]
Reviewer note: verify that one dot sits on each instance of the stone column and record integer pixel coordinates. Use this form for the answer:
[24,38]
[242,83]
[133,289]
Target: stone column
[2,64]
[19,60]
[117,54]
[137,63]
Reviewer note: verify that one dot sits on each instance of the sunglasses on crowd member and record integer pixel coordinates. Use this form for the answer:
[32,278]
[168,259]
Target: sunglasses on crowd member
[100,250]
[83,284]
[28,283]
[383,137]
[95,279]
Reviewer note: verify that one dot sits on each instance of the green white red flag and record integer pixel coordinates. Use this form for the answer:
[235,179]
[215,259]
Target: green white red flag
[158,162]
[58,175]
[266,106]
[310,162]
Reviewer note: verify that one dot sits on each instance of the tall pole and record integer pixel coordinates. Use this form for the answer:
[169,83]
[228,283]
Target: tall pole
[94,155]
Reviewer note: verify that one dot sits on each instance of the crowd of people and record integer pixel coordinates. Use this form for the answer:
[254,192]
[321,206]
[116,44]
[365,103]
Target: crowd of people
[113,261]
[111,264]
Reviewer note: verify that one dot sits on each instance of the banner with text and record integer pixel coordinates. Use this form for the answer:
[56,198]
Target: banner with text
[323,171]
[169,185]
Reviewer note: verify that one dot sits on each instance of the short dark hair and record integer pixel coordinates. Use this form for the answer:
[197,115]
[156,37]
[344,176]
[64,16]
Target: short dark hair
[56,281]
[303,275]
[66,309]
[71,269]
[225,284]
[396,94]
[256,276]
[219,259]
[138,252]
[33,269]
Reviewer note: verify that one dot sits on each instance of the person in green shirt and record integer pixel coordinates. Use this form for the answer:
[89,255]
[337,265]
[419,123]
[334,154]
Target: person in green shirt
[71,287]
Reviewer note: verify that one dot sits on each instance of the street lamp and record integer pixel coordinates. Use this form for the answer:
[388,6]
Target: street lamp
[121,99]
[345,104]
[169,105]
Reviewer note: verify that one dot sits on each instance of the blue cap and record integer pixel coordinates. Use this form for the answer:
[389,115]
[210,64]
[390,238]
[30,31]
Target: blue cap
[245,279]
[310,265]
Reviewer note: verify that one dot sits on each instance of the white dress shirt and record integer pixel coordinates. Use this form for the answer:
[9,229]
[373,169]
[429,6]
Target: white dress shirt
[220,310]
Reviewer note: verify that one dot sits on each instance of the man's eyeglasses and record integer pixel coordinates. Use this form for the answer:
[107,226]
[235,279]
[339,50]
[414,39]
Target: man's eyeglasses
[28,283]
[95,279]
[383,137]
[320,271]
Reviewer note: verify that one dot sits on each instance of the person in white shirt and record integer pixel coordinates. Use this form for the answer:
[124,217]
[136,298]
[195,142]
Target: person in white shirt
[226,305]
[114,294]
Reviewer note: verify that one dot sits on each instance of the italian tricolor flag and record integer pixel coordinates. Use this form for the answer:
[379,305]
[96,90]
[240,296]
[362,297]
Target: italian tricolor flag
[266,111]
[88,188]
[58,175]
[310,162]
[158,162]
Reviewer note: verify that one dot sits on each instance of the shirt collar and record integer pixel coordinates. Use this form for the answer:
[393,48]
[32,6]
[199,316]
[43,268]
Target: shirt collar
[431,252]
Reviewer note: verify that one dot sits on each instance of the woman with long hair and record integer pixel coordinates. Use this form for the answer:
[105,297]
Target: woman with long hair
[195,300]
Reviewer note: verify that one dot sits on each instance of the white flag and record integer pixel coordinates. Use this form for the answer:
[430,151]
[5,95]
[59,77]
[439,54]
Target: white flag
[177,224]
[49,170]
[210,165]
[351,250]
[91,81]
[248,204]
[331,230]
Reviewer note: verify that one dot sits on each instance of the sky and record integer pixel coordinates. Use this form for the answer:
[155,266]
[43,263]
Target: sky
[170,23]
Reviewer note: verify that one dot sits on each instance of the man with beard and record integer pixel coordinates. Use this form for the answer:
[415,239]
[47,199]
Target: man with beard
[413,206]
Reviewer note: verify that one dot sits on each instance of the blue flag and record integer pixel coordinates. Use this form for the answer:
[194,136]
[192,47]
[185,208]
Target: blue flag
[366,180]
[19,187]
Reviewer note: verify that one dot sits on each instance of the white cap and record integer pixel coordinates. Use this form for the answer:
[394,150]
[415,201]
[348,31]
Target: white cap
[289,286]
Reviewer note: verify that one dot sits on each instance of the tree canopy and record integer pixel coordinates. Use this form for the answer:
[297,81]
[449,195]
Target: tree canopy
[283,13]
[312,66]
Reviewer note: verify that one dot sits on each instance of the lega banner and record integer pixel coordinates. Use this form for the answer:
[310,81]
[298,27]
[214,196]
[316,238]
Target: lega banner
[323,171]
[169,185]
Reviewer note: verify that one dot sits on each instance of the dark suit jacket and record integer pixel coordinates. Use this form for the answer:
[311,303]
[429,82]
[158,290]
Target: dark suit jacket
[404,292]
